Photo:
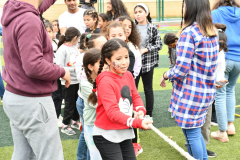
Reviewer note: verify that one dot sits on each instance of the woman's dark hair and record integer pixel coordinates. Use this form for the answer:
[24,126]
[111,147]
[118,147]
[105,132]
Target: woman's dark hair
[48,25]
[107,51]
[232,3]
[222,36]
[198,11]
[92,14]
[70,33]
[104,17]
[91,57]
[113,24]
[170,38]
[149,19]
[118,9]
[87,40]
[134,37]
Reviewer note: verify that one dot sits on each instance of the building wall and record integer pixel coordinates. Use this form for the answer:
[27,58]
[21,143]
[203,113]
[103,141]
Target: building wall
[172,8]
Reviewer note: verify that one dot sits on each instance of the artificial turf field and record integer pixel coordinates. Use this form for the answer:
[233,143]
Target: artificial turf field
[154,147]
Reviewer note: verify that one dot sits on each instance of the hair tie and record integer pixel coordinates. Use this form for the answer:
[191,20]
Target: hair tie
[144,6]
[220,30]
[89,36]
[94,90]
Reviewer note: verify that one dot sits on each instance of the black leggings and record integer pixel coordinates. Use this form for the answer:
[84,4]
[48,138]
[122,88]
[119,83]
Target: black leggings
[57,98]
[114,151]
[147,79]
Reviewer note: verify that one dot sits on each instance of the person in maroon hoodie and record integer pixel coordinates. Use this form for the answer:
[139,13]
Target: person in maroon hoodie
[31,76]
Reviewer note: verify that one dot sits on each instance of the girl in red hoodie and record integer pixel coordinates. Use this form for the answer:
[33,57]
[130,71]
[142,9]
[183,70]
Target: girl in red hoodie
[117,98]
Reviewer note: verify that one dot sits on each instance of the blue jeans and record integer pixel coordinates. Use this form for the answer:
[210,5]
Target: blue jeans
[2,89]
[82,151]
[195,143]
[225,97]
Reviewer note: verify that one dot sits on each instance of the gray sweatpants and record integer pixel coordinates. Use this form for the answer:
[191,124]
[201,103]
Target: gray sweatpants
[34,127]
[205,129]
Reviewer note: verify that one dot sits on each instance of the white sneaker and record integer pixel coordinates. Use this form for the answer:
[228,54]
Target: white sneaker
[214,124]
[60,117]
[221,136]
[231,129]
[60,123]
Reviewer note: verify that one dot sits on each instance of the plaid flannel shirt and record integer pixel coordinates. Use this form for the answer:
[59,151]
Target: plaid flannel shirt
[153,44]
[194,77]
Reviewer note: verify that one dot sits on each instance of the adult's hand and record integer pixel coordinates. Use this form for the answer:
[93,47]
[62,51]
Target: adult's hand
[67,78]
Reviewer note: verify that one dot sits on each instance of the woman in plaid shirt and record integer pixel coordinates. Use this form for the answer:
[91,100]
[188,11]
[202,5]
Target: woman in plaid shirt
[194,74]
[149,48]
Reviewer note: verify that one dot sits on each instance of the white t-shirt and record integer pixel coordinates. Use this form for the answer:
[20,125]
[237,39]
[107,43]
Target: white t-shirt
[73,20]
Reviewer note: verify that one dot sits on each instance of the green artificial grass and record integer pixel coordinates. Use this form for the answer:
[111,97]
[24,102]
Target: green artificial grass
[155,148]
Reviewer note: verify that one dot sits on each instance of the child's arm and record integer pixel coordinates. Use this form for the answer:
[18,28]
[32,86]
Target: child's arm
[110,103]
[156,43]
[137,66]
[221,67]
[137,100]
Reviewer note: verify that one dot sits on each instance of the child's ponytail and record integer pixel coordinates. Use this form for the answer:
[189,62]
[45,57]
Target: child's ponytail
[70,33]
[87,40]
[91,57]
[62,39]
[222,36]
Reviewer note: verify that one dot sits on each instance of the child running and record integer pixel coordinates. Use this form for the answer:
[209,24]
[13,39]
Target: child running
[117,98]
[66,57]
[91,21]
[87,41]
[91,61]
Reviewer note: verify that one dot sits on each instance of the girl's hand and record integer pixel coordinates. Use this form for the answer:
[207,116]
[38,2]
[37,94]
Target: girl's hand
[145,123]
[136,114]
[142,51]
[162,82]
[219,86]
[140,114]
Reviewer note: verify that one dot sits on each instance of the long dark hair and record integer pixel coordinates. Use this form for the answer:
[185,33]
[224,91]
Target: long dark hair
[107,51]
[93,14]
[232,3]
[118,9]
[170,38]
[222,36]
[70,33]
[91,57]
[104,17]
[87,40]
[198,11]
[48,25]
[148,16]
[134,37]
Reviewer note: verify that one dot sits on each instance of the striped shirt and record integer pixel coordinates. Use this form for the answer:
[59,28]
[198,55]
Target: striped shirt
[193,76]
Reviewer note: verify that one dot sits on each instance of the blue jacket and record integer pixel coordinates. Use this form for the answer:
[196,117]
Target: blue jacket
[230,16]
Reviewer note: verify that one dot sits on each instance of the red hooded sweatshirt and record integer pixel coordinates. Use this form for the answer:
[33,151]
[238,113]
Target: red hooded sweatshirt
[117,98]
[28,54]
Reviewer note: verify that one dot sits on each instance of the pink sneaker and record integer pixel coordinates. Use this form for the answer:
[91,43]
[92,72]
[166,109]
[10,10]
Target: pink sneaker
[231,129]
[221,136]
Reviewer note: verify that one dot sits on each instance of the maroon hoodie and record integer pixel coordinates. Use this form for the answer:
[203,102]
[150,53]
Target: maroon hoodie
[28,53]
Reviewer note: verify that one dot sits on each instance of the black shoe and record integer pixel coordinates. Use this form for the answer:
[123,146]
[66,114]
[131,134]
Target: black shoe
[211,154]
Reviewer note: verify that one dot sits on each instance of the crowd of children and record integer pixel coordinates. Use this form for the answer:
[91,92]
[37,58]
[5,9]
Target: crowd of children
[106,59]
